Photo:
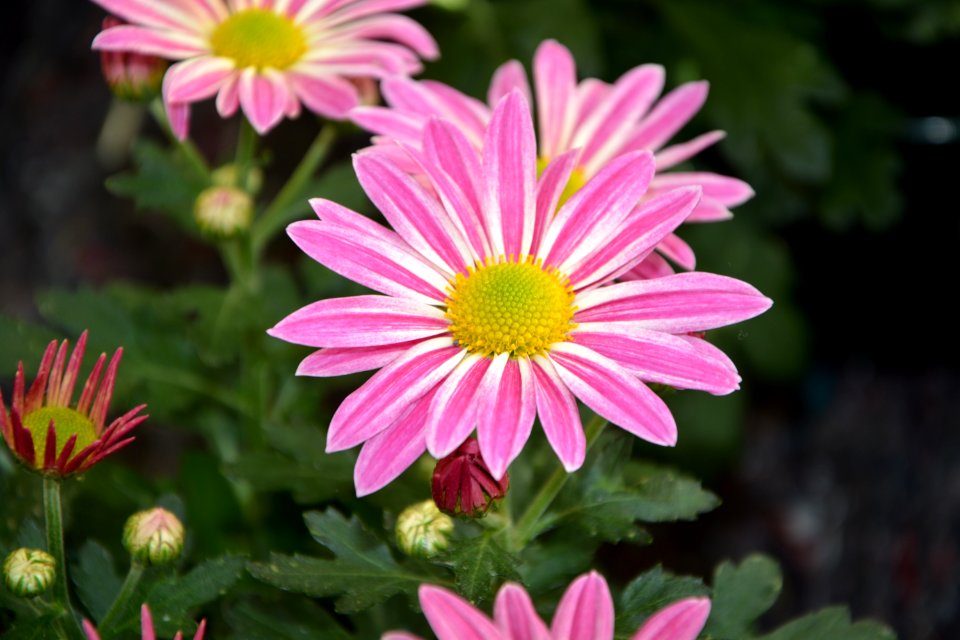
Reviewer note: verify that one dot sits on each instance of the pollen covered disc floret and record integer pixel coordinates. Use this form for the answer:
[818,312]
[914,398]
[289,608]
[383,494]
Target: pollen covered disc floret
[259,38]
[68,423]
[505,306]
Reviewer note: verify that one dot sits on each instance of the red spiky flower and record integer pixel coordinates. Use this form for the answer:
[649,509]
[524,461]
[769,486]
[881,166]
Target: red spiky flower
[46,432]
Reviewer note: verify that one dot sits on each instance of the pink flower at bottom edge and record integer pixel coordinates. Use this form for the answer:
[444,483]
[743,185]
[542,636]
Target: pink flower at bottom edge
[585,613]
[146,627]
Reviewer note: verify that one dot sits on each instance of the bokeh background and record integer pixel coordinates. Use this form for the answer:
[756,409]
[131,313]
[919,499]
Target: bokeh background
[841,456]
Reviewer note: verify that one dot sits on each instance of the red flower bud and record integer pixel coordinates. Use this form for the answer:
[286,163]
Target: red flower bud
[463,485]
[131,76]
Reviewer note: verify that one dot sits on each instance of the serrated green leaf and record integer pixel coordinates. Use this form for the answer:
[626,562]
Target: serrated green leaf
[36,629]
[831,624]
[480,565]
[96,579]
[652,591]
[311,482]
[307,621]
[741,594]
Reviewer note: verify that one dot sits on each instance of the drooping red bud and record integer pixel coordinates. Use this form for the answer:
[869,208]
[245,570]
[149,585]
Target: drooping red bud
[131,76]
[463,485]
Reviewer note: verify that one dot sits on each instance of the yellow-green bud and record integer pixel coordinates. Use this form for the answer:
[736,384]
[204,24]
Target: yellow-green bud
[229,176]
[29,572]
[223,211]
[154,537]
[422,530]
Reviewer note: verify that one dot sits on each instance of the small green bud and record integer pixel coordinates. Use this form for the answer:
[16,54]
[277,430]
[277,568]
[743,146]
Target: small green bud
[154,537]
[422,530]
[223,211]
[29,572]
[229,176]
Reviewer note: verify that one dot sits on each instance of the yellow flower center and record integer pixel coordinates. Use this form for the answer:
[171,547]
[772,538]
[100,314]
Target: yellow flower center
[574,184]
[259,38]
[511,307]
[66,422]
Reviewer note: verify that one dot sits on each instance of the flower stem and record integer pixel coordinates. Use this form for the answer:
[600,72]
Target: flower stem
[527,526]
[275,216]
[190,152]
[53,514]
[129,587]
[246,146]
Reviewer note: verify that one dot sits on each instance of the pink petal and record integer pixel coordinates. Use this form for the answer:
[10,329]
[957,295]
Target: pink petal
[228,100]
[453,412]
[673,247]
[505,412]
[555,78]
[340,11]
[709,210]
[677,153]
[399,635]
[146,624]
[510,174]
[681,303]
[385,397]
[508,76]
[327,95]
[654,356]
[590,94]
[393,27]
[550,189]
[453,618]
[385,57]
[680,621]
[431,99]
[361,321]
[340,362]
[668,117]
[586,610]
[730,192]
[263,96]
[614,393]
[197,79]
[653,266]
[161,15]
[559,416]
[165,44]
[514,614]
[387,122]
[89,630]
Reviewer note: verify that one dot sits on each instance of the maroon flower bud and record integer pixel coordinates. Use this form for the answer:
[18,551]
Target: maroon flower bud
[463,485]
[131,76]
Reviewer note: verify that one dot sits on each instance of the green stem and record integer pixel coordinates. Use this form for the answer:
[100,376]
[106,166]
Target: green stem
[53,514]
[121,602]
[527,526]
[190,152]
[275,217]
[246,145]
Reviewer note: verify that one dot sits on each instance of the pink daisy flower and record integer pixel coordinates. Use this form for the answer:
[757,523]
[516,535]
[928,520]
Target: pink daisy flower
[268,56]
[585,613]
[602,120]
[496,310]
[146,628]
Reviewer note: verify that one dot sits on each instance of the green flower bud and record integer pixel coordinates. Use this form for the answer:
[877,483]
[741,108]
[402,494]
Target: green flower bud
[29,572]
[154,537]
[422,530]
[223,211]
[229,176]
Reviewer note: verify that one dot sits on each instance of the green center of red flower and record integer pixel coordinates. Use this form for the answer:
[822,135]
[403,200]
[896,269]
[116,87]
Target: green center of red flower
[259,38]
[574,184]
[66,422]
[518,308]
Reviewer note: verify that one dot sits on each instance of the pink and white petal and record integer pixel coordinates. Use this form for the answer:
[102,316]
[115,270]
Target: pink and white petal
[586,610]
[361,321]
[382,399]
[387,122]
[228,100]
[682,620]
[604,134]
[506,410]
[216,10]
[669,116]
[709,210]
[655,356]
[681,303]
[389,453]
[197,79]
[453,413]
[728,191]
[329,211]
[159,15]
[178,115]
[508,76]
[555,81]
[514,613]
[634,239]
[341,11]
[372,261]
[550,187]
[614,393]
[393,27]
[453,618]
[399,635]
[171,45]
[473,114]
[384,57]
[590,94]
[598,207]
[263,96]
[415,214]
[559,416]
[677,153]
[510,176]
[674,248]
[653,266]
[326,95]
[327,363]
[292,109]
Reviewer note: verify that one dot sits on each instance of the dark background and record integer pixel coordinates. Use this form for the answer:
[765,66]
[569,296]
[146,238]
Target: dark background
[841,456]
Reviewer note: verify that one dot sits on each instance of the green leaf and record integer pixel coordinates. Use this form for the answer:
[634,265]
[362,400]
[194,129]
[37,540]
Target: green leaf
[480,566]
[651,592]
[362,572]
[741,594]
[254,621]
[96,578]
[311,482]
[35,629]
[831,624]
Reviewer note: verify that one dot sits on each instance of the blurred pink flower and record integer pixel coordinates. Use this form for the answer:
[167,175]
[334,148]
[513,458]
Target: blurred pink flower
[585,613]
[601,120]
[268,56]
[497,309]
[146,628]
